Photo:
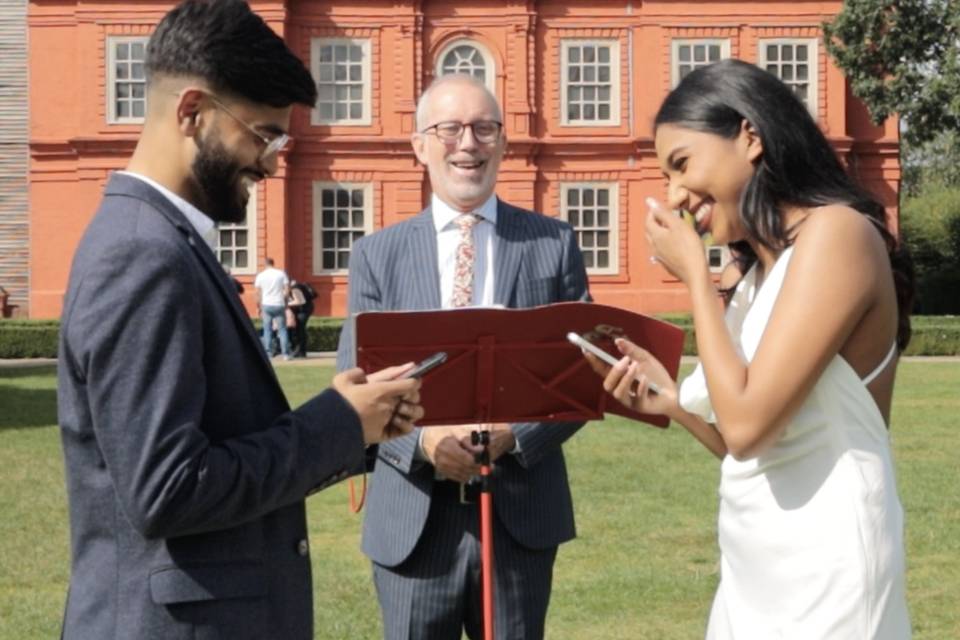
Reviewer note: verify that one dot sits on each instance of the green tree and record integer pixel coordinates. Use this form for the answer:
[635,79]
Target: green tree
[902,56]
[931,165]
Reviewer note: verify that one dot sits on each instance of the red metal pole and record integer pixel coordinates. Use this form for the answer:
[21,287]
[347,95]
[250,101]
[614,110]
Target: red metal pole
[486,550]
[486,530]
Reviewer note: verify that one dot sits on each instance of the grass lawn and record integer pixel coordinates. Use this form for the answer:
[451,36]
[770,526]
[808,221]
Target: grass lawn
[644,564]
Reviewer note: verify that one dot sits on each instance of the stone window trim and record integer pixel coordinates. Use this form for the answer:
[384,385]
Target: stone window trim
[343,212]
[593,209]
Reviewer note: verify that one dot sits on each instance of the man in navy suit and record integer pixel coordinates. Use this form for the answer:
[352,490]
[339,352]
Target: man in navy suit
[421,525]
[186,468]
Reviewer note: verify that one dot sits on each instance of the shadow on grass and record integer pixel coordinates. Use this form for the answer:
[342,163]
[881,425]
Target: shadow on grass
[27,371]
[22,408]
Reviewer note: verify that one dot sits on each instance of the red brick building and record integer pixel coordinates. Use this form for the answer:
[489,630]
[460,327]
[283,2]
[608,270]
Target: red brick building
[578,82]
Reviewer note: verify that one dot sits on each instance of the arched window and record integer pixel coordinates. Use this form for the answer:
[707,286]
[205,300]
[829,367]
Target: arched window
[469,58]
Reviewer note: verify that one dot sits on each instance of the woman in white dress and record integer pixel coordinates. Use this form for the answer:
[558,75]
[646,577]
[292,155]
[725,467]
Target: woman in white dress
[794,385]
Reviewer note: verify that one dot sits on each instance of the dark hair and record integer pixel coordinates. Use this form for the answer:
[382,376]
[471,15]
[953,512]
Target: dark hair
[230,47]
[798,166]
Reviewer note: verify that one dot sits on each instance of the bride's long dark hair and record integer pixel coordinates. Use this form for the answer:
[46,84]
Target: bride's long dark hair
[798,166]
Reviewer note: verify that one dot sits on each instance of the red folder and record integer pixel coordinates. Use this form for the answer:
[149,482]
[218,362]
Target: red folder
[513,365]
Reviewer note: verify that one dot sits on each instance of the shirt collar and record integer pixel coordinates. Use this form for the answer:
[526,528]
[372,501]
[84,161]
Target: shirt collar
[198,219]
[444,214]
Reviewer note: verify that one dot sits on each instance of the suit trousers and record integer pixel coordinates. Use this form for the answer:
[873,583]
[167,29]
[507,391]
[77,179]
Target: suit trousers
[436,593]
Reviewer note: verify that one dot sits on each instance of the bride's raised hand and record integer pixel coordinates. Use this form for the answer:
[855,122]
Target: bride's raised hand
[674,243]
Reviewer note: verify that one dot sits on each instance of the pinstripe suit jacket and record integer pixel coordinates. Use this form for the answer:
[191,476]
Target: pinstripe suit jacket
[537,262]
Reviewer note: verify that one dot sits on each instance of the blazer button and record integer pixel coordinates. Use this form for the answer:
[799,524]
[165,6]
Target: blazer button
[303,548]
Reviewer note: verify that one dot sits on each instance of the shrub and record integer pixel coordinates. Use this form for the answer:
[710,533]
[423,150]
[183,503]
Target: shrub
[322,333]
[28,339]
[932,336]
[930,226]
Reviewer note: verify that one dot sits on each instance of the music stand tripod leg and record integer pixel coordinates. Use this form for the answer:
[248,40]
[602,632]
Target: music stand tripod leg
[486,529]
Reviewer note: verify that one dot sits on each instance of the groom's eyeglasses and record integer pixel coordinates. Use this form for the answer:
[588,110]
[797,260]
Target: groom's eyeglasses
[270,145]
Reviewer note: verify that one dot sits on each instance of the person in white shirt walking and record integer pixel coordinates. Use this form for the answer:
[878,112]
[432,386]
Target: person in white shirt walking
[273,287]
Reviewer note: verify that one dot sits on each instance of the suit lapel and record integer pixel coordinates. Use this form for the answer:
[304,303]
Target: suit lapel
[421,256]
[127,185]
[508,251]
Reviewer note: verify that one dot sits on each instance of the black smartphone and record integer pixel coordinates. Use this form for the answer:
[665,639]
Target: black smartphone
[426,365]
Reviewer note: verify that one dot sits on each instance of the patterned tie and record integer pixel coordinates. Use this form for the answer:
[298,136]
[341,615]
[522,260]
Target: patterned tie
[466,254]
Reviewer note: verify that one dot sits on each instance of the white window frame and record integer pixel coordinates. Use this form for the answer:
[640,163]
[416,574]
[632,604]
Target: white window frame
[365,118]
[613,267]
[250,226]
[565,45]
[723,254]
[368,212]
[111,92]
[490,65]
[813,62]
[723,43]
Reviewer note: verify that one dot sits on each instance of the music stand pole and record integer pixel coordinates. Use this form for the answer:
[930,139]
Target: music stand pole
[486,529]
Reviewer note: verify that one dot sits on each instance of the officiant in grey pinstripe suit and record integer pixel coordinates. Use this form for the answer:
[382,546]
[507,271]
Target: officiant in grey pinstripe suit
[466,248]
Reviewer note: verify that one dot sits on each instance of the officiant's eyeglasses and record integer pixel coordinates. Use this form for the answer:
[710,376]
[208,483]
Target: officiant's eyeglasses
[485,131]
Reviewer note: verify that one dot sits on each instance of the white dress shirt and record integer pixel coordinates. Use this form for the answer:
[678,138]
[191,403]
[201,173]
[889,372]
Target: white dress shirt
[205,227]
[448,238]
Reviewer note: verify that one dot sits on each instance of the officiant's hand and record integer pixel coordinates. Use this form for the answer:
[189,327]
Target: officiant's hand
[449,450]
[502,439]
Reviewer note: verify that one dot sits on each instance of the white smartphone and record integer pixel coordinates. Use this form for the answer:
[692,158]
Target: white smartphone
[586,345]
[426,365]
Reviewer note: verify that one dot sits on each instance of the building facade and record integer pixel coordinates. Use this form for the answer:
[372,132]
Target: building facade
[578,82]
[14,160]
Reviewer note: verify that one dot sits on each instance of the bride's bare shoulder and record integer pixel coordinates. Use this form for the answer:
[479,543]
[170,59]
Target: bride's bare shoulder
[839,232]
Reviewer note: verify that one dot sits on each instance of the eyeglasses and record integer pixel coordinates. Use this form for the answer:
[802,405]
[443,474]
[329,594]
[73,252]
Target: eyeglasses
[485,131]
[271,145]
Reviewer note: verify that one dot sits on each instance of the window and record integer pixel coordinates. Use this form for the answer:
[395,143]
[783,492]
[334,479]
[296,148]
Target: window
[237,242]
[126,80]
[342,214]
[718,256]
[794,62]
[342,70]
[590,83]
[690,54]
[592,211]
[469,58]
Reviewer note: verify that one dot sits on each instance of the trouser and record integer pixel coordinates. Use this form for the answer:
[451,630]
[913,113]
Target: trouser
[269,312]
[435,594]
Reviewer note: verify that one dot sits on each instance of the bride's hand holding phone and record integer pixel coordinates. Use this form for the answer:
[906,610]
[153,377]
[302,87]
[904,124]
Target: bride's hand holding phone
[630,380]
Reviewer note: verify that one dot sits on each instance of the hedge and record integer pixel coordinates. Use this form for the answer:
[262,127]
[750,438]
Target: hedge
[322,333]
[38,338]
[932,336]
[20,339]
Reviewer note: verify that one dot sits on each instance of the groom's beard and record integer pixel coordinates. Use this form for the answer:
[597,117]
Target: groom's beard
[217,177]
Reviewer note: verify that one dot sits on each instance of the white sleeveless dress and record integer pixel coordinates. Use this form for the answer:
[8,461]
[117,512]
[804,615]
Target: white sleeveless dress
[811,530]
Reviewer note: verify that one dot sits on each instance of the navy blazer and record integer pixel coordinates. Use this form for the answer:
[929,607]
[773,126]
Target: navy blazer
[537,261]
[186,469]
